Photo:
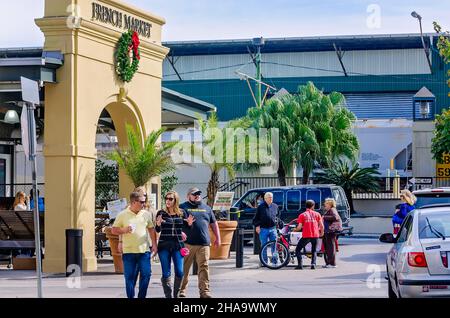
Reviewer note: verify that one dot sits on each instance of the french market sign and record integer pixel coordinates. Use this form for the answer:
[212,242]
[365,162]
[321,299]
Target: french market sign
[120,20]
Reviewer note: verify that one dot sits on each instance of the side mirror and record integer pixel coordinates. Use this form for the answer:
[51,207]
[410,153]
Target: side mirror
[387,238]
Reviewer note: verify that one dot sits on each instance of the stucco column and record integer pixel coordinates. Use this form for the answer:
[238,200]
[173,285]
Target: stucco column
[87,83]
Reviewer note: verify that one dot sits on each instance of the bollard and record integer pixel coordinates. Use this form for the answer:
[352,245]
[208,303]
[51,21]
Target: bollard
[195,268]
[74,252]
[234,216]
[256,243]
[239,248]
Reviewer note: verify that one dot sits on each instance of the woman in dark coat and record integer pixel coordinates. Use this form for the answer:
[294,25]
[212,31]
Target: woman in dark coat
[333,225]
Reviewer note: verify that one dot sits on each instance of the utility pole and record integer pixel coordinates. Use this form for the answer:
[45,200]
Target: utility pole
[258,42]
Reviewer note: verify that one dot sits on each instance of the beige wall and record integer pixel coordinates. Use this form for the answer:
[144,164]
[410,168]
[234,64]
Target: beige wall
[87,83]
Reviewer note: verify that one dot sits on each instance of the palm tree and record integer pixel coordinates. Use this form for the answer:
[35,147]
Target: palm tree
[314,128]
[351,178]
[211,155]
[142,162]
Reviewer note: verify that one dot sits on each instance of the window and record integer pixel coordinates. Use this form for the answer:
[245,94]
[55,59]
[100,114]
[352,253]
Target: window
[405,229]
[293,200]
[439,223]
[340,203]
[249,201]
[278,199]
[316,196]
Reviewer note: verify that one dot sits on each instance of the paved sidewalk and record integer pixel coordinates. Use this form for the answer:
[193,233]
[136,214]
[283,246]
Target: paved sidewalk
[348,280]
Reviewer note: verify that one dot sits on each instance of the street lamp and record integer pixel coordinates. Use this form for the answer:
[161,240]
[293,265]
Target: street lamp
[417,16]
[414,14]
[11,117]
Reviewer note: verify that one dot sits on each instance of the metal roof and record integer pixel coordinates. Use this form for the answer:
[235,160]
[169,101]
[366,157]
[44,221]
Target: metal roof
[301,44]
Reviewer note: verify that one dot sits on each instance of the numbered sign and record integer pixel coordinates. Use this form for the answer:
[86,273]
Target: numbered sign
[443,169]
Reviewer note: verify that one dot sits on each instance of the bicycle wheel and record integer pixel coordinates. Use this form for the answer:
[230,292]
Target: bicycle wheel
[274,255]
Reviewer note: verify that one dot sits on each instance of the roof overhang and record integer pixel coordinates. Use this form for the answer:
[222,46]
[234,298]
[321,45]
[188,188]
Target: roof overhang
[33,63]
[179,109]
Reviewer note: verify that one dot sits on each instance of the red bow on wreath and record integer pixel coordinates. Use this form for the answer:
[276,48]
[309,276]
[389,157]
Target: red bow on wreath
[135,42]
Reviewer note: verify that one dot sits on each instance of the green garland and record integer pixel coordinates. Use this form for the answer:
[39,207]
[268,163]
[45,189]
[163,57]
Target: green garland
[125,68]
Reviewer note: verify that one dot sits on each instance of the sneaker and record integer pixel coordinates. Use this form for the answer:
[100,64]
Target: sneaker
[332,266]
[313,266]
[325,266]
[299,267]
[181,295]
[205,296]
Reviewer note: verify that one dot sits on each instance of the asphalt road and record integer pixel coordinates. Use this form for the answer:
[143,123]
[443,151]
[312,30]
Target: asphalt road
[360,273]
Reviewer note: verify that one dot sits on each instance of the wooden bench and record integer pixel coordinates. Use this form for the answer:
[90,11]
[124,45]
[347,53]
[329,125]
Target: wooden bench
[17,231]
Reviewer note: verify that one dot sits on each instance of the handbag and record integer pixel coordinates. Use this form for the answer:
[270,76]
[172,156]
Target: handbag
[184,251]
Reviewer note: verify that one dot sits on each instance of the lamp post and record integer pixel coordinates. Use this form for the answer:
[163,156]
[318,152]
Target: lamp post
[417,16]
[258,42]
[426,101]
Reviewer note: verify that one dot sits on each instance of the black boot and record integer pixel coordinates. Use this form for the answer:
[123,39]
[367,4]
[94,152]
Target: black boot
[166,287]
[176,286]
[300,264]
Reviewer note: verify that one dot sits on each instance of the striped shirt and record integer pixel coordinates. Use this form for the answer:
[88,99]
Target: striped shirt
[170,230]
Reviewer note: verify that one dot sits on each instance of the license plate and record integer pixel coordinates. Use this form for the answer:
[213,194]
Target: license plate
[427,288]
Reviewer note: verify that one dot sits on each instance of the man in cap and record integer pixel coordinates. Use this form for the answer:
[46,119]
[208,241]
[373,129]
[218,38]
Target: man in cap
[198,241]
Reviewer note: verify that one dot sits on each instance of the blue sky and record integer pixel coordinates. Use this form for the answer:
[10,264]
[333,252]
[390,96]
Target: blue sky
[237,19]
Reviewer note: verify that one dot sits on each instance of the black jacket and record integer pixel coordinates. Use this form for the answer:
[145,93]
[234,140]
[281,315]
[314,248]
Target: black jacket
[266,217]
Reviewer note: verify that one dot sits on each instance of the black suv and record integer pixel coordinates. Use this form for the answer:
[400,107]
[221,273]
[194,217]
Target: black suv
[291,202]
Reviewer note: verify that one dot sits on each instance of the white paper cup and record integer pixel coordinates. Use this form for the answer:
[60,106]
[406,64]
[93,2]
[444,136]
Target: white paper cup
[133,227]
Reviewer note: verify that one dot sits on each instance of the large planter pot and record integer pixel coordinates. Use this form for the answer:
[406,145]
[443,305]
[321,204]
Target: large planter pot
[116,254]
[226,229]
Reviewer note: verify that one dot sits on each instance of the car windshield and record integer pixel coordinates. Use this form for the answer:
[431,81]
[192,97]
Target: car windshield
[433,198]
[432,225]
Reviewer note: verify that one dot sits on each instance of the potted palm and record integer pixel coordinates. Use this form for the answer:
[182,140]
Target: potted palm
[141,162]
[209,155]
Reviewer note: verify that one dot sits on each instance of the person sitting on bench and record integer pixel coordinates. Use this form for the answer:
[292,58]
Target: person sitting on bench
[21,202]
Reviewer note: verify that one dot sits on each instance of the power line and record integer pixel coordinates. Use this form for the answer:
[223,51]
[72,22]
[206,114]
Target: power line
[210,69]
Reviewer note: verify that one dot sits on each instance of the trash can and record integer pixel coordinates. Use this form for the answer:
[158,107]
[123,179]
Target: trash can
[74,252]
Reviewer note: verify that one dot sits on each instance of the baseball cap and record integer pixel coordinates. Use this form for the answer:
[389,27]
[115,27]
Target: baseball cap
[194,191]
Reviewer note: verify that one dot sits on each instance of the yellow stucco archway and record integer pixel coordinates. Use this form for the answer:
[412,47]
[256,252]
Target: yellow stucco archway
[86,84]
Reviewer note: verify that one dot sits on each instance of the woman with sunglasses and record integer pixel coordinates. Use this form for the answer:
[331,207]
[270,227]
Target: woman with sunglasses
[169,223]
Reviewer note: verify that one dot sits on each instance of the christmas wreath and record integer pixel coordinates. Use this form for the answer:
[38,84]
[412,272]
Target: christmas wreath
[128,55]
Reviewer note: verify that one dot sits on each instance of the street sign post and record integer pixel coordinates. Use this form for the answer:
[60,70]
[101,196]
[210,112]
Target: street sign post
[30,95]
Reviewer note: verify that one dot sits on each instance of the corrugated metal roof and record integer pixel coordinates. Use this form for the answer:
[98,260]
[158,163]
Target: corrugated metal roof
[300,44]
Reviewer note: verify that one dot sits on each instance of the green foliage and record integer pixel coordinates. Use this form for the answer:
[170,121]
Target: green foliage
[351,178]
[168,183]
[441,141]
[314,128]
[124,68]
[209,152]
[107,182]
[106,172]
[143,162]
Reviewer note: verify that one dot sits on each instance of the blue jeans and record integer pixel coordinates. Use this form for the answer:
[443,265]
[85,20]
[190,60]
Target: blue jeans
[165,257]
[134,265]
[267,235]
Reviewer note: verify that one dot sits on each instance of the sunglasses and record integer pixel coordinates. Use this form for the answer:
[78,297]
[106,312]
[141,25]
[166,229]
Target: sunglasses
[170,199]
[141,202]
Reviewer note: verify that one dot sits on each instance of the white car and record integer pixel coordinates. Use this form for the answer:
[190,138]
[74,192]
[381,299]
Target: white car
[418,263]
[432,196]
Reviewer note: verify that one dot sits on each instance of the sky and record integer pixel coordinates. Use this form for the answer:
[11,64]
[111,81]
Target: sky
[243,19]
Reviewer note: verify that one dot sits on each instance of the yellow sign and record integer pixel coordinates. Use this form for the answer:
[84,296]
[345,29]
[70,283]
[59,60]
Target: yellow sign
[443,169]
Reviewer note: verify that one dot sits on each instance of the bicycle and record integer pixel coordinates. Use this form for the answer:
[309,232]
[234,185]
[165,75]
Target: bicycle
[279,253]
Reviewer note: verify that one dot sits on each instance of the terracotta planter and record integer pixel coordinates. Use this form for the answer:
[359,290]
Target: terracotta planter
[114,245]
[227,229]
